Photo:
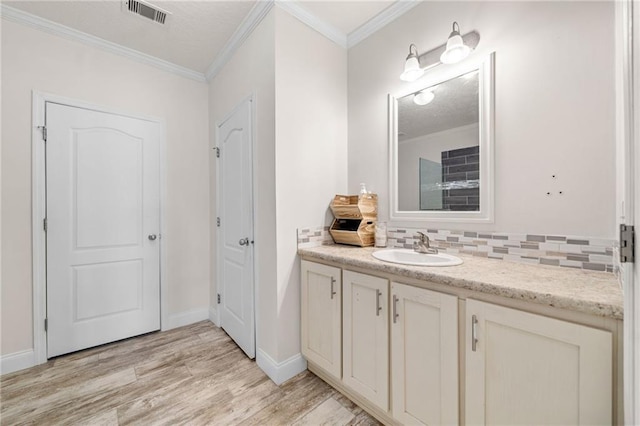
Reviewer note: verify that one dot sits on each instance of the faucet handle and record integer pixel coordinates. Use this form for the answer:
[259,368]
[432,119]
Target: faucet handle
[424,245]
[423,237]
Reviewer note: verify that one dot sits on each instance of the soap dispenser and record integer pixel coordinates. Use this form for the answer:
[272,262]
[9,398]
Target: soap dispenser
[363,190]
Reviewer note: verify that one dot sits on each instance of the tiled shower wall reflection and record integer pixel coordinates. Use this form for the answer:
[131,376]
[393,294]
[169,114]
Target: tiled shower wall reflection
[461,165]
[594,254]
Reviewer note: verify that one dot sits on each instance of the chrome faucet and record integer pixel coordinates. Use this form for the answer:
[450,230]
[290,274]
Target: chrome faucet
[423,245]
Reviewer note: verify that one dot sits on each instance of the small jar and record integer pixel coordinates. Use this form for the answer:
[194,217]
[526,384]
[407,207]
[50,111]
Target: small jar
[381,234]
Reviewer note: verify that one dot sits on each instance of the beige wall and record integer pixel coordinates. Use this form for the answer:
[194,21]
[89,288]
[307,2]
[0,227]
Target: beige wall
[554,108]
[311,152]
[34,60]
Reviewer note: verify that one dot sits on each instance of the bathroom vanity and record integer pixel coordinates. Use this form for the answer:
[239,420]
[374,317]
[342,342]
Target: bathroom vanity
[485,342]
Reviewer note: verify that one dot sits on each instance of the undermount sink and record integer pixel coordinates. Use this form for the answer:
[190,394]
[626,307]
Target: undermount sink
[410,257]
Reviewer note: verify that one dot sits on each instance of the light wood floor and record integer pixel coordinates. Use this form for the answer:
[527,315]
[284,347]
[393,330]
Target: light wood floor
[193,375]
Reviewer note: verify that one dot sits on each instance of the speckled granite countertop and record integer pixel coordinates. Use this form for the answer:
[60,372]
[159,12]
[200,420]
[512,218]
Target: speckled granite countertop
[595,293]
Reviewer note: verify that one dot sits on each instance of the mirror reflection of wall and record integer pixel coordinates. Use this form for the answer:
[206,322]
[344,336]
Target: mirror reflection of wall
[438,148]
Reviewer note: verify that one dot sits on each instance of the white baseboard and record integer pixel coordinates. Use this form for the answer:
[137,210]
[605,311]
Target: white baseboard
[280,372]
[185,318]
[17,361]
[213,316]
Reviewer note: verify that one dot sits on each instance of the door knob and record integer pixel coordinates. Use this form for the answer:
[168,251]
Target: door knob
[152,237]
[244,241]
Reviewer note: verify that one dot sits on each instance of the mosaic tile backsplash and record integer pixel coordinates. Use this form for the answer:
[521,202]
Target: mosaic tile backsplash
[594,254]
[314,237]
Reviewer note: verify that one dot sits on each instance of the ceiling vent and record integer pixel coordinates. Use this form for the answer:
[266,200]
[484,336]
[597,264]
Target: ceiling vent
[146,10]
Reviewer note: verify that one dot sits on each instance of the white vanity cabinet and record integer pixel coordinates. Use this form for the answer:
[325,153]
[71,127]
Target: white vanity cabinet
[415,356]
[424,356]
[321,321]
[523,368]
[365,336]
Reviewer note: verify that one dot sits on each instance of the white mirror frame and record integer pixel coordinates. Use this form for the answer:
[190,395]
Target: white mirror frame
[486,78]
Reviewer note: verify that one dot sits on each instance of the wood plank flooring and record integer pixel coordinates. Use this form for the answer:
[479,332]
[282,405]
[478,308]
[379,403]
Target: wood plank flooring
[193,375]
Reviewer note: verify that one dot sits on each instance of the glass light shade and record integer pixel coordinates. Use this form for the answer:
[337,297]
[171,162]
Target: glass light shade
[456,50]
[423,97]
[412,70]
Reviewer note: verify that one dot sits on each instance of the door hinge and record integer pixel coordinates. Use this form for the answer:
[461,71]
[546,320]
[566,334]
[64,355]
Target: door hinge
[46,324]
[218,222]
[217,152]
[44,224]
[627,243]
[219,298]
[44,132]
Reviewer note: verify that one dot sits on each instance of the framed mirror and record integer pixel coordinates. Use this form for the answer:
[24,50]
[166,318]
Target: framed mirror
[441,146]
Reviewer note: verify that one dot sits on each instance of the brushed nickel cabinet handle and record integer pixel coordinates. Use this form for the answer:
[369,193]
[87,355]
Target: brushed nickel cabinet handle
[378,307]
[333,281]
[474,331]
[395,308]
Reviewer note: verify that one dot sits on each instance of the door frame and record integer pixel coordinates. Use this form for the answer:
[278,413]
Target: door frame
[632,299]
[251,98]
[627,20]
[39,208]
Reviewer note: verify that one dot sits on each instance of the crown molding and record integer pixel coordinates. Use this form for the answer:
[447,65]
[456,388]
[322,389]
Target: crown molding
[294,8]
[15,15]
[388,15]
[327,30]
[249,23]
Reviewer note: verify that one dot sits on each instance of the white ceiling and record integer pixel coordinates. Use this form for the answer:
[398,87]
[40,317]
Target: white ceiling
[195,33]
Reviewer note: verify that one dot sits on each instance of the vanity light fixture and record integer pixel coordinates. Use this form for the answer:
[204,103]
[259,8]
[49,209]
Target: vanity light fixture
[412,70]
[424,97]
[457,48]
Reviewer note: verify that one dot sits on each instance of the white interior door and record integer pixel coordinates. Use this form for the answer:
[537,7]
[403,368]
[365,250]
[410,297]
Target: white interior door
[103,222]
[235,236]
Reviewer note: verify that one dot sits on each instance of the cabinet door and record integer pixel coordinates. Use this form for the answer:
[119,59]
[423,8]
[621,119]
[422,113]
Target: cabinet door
[530,369]
[366,336]
[424,356]
[321,321]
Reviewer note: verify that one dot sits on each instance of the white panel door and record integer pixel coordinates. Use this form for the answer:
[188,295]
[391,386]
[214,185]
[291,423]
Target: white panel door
[235,236]
[103,216]
[321,309]
[424,356]
[366,336]
[530,369]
